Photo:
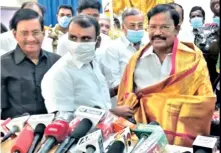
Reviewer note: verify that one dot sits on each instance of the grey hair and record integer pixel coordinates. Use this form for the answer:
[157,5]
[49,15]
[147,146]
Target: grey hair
[130,12]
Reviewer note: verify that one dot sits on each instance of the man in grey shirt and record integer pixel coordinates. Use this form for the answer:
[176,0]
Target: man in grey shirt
[23,68]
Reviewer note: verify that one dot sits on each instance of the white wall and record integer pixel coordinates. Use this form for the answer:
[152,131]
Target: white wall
[188,4]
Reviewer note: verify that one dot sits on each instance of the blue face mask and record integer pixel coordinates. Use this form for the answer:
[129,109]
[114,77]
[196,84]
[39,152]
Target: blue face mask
[196,22]
[134,36]
[64,21]
[216,20]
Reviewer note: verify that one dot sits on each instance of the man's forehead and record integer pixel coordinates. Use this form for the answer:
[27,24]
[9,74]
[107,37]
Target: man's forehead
[135,18]
[196,12]
[65,11]
[161,18]
[76,29]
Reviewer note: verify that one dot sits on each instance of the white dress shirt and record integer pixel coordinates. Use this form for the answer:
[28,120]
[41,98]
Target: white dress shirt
[69,84]
[116,58]
[186,34]
[149,69]
[9,43]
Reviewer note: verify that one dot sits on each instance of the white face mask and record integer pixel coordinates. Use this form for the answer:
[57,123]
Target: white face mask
[83,52]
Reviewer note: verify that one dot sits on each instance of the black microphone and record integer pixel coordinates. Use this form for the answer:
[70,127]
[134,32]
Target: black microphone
[11,132]
[38,134]
[116,147]
[80,131]
[204,144]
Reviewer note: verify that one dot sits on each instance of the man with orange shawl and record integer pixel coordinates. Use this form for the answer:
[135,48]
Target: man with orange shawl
[167,81]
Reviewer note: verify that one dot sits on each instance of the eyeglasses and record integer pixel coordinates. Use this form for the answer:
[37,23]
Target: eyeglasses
[35,34]
[163,28]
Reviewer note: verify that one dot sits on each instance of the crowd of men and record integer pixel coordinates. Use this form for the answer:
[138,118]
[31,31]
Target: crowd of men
[154,74]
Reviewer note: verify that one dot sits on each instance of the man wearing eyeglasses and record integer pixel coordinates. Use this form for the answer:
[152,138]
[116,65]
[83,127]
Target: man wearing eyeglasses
[168,81]
[23,68]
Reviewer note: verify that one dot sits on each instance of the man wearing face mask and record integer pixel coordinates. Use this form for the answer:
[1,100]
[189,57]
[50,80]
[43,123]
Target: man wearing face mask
[197,18]
[120,51]
[91,8]
[64,15]
[76,79]
[215,8]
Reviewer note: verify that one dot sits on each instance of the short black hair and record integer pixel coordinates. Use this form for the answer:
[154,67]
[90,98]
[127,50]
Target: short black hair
[85,4]
[69,7]
[41,7]
[25,14]
[162,8]
[3,28]
[130,12]
[180,6]
[86,21]
[196,8]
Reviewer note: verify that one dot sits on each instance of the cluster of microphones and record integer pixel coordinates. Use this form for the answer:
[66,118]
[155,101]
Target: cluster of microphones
[90,130]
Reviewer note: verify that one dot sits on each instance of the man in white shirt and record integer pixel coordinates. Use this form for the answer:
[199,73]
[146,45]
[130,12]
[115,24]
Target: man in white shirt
[64,15]
[76,78]
[91,8]
[7,39]
[167,81]
[120,51]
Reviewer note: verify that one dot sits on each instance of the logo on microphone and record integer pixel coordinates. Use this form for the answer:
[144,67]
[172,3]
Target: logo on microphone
[90,111]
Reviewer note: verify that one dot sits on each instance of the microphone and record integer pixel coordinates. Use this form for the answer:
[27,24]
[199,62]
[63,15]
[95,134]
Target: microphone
[156,140]
[45,119]
[116,147]
[54,133]
[23,141]
[4,129]
[123,136]
[80,131]
[91,143]
[19,121]
[13,130]
[38,134]
[204,144]
[94,114]
[120,123]
[143,135]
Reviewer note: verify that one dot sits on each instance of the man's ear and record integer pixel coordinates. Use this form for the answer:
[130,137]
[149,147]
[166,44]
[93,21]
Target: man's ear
[14,33]
[177,28]
[98,43]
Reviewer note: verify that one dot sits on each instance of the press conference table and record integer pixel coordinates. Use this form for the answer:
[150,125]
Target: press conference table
[6,148]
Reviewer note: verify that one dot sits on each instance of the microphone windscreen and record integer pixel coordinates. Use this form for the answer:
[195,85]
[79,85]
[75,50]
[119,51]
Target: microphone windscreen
[117,146]
[15,129]
[39,129]
[82,129]
[58,130]
[24,140]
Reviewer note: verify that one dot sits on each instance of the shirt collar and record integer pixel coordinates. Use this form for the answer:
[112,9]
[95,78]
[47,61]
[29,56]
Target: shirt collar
[19,55]
[149,52]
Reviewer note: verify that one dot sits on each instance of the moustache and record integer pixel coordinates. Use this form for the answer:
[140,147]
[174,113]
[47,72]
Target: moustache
[158,37]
